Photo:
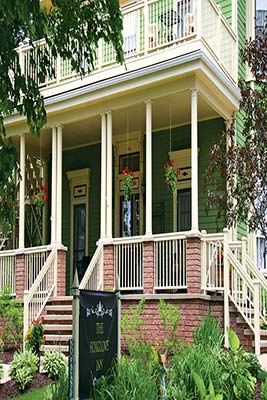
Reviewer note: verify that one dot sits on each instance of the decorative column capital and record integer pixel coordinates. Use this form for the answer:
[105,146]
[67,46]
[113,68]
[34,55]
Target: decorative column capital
[194,91]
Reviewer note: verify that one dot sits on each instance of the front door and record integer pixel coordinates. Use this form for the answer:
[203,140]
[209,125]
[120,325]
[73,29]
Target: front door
[79,238]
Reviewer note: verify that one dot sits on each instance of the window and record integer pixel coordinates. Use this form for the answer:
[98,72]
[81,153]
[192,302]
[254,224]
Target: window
[260,15]
[132,160]
[184,210]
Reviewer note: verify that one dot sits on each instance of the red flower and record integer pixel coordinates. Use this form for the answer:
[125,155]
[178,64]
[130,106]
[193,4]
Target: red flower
[126,168]
[42,319]
[44,338]
[43,188]
[123,172]
[131,173]
[178,171]
[165,165]
[28,336]
[172,163]
[35,321]
[46,198]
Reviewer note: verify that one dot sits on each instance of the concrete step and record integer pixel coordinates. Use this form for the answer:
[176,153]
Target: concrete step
[248,331]
[57,338]
[60,300]
[57,327]
[54,347]
[60,308]
[58,318]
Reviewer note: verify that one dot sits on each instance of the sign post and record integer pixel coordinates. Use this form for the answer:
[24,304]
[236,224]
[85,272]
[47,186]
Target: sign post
[75,334]
[98,345]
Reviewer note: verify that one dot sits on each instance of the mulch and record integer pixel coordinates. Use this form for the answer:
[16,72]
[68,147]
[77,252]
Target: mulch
[10,389]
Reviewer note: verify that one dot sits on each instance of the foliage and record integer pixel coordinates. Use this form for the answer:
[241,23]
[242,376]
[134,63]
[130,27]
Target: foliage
[55,364]
[11,315]
[171,175]
[204,395]
[22,367]
[72,30]
[35,336]
[236,177]
[59,389]
[170,316]
[130,380]
[208,333]
[127,183]
[239,382]
[40,199]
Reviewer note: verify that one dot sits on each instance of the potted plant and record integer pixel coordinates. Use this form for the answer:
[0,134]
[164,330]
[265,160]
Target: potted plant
[40,198]
[171,175]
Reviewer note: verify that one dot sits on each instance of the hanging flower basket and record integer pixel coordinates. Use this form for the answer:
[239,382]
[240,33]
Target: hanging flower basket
[127,184]
[40,199]
[171,175]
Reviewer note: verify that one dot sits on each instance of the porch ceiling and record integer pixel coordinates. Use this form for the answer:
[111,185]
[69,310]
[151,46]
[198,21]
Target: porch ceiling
[173,109]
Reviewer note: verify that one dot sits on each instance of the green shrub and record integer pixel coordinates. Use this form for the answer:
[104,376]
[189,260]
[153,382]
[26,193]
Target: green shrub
[209,333]
[60,389]
[55,364]
[130,380]
[23,377]
[12,314]
[35,336]
[22,367]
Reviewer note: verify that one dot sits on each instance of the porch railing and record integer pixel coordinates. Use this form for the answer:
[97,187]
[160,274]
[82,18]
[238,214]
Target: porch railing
[212,261]
[35,258]
[149,26]
[93,277]
[128,257]
[170,262]
[43,287]
[8,270]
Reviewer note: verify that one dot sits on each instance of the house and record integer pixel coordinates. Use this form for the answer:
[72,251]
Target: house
[175,97]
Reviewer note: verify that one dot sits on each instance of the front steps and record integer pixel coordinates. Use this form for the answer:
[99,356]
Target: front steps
[58,324]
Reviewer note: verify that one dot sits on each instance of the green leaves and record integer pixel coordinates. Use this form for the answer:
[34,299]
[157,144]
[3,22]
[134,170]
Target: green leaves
[233,340]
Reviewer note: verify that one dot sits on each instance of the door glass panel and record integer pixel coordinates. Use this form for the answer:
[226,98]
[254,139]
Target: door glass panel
[79,238]
[130,216]
[184,210]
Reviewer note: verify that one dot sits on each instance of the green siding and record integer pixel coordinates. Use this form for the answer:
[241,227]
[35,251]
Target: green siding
[241,228]
[226,7]
[86,157]
[208,134]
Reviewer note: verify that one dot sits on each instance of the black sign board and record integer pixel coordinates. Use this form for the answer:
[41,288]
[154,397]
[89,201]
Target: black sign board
[98,337]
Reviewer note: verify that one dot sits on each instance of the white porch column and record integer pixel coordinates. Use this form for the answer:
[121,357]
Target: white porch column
[194,162]
[54,185]
[22,193]
[109,176]
[103,223]
[148,168]
[59,186]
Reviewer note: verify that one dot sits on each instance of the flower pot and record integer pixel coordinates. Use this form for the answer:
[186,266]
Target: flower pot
[126,218]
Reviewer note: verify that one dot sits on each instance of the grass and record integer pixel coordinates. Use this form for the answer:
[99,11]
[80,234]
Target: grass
[38,394]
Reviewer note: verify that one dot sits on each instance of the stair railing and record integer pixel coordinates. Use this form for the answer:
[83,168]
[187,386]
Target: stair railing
[43,287]
[93,277]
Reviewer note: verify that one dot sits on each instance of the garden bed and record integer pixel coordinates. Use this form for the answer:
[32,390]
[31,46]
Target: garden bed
[10,388]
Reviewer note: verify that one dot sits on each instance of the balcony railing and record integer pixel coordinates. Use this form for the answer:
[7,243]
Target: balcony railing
[149,26]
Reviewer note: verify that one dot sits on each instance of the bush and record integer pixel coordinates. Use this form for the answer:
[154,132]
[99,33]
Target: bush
[11,314]
[22,367]
[209,333]
[60,389]
[55,364]
[35,336]
[130,380]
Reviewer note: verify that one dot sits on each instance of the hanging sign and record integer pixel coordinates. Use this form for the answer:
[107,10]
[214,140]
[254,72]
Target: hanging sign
[98,339]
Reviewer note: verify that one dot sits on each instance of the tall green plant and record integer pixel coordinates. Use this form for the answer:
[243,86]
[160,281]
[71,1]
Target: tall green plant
[209,332]
[12,317]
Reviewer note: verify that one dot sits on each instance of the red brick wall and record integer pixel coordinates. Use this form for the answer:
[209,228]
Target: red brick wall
[193,265]
[20,274]
[109,279]
[61,273]
[192,312]
[148,267]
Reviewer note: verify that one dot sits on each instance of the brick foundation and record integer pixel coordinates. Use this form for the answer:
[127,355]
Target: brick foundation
[193,264]
[61,273]
[20,275]
[148,267]
[109,278]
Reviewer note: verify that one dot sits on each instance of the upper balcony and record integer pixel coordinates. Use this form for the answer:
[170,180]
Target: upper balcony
[154,30]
